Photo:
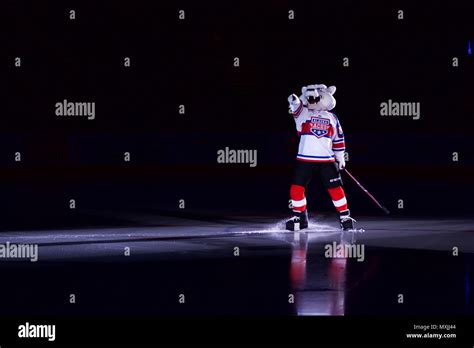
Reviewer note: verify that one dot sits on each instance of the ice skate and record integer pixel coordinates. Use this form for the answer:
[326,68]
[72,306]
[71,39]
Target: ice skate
[298,221]
[347,222]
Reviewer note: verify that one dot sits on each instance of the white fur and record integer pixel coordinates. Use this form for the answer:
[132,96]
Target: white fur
[327,102]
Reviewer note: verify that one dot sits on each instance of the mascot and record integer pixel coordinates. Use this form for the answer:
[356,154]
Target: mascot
[321,152]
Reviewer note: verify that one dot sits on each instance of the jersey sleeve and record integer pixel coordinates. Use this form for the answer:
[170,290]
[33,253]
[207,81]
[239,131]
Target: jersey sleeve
[338,142]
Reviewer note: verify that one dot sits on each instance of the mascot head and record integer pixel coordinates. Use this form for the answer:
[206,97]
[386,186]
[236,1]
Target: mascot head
[318,97]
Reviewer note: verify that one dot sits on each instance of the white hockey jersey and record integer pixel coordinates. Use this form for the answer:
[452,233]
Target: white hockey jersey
[321,136]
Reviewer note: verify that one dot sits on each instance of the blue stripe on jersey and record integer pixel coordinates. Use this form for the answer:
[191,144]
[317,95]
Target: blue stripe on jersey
[315,156]
[338,149]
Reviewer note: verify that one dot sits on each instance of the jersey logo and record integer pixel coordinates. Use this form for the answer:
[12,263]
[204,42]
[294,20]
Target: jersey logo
[320,126]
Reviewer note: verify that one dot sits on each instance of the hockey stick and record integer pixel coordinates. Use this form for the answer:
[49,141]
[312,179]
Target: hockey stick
[386,211]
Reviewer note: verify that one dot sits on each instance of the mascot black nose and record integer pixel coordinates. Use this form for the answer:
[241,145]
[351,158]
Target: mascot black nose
[313,99]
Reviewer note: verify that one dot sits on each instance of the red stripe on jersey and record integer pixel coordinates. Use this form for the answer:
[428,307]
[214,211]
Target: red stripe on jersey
[331,131]
[306,127]
[338,145]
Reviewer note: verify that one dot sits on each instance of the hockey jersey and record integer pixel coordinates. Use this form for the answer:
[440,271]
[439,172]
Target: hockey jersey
[321,136]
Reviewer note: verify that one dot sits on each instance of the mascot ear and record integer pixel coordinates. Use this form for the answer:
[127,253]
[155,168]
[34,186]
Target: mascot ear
[331,90]
[303,96]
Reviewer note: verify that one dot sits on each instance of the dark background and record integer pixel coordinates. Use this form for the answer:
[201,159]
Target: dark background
[190,62]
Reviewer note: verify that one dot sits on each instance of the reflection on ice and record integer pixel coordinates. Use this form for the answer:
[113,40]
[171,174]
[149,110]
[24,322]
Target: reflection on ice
[279,227]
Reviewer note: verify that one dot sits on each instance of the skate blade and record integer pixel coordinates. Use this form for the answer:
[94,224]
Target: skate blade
[296,229]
